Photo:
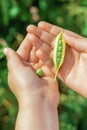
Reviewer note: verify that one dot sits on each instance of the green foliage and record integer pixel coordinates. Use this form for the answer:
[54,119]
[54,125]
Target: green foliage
[15,15]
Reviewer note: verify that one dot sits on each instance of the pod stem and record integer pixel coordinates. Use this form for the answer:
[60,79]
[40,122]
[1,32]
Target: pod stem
[56,74]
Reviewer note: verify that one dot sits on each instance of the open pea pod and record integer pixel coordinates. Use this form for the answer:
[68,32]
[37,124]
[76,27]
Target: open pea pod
[59,52]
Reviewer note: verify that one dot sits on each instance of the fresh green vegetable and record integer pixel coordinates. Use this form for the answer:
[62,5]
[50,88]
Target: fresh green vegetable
[59,52]
[39,72]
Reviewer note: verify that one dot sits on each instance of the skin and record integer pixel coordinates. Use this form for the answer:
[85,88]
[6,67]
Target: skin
[74,69]
[38,98]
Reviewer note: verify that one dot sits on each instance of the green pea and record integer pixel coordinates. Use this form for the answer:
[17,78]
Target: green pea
[60,48]
[39,72]
[58,60]
[59,52]
[60,43]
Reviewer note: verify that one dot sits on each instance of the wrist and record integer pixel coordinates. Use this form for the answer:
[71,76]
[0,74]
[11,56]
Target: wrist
[30,102]
[37,101]
[41,114]
[38,98]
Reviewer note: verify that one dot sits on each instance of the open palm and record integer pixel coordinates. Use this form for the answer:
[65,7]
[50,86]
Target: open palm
[44,85]
[74,69]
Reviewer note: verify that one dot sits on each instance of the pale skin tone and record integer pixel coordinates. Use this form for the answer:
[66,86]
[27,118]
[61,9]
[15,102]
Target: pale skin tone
[38,98]
[74,69]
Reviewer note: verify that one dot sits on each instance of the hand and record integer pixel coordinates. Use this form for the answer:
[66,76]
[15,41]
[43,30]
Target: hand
[37,97]
[74,69]
[23,81]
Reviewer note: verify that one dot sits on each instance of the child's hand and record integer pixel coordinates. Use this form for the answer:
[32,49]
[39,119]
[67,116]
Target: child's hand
[23,81]
[74,69]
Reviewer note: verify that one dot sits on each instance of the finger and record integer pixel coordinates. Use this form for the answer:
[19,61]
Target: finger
[52,29]
[14,62]
[33,57]
[47,71]
[76,41]
[71,38]
[43,35]
[45,58]
[25,48]
[38,65]
[39,44]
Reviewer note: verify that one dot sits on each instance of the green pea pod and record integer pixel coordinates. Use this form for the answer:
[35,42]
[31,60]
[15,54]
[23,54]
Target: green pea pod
[59,52]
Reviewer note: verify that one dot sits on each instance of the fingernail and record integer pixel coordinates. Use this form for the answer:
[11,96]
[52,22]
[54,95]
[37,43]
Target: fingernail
[5,51]
[30,36]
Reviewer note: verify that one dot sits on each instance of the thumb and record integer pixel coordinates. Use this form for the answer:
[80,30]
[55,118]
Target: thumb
[76,41]
[13,60]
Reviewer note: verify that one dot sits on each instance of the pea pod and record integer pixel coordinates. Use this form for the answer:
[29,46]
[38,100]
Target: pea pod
[59,52]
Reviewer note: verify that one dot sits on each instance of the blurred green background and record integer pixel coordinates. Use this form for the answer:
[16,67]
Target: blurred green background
[15,15]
